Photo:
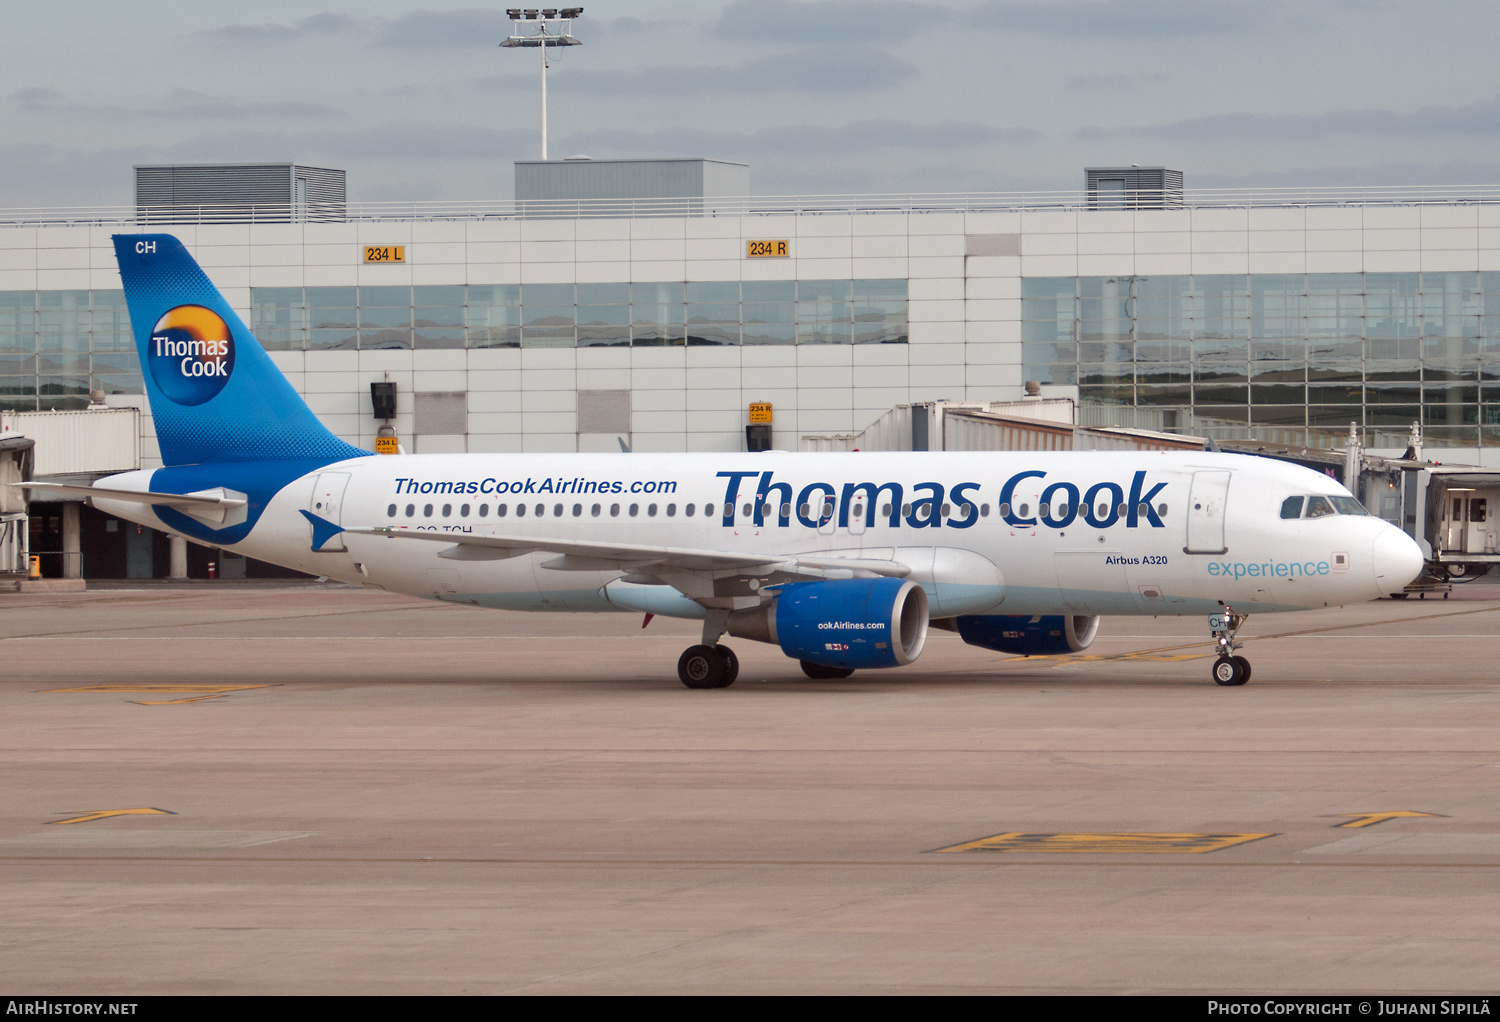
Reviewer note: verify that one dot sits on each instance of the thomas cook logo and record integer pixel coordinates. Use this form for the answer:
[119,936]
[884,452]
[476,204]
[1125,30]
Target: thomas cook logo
[191,354]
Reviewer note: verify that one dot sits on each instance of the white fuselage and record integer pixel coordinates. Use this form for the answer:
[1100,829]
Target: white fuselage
[1167,532]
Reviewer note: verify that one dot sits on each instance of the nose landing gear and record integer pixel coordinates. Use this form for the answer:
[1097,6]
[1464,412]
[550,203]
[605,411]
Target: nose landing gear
[1229,669]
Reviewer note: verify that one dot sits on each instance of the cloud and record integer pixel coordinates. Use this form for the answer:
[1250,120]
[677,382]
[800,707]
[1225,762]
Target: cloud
[891,20]
[1481,118]
[842,69]
[178,104]
[826,21]
[874,136]
[1113,18]
[271,32]
[435,30]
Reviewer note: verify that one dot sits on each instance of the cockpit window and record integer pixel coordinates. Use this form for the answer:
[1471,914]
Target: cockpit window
[1320,507]
[1317,507]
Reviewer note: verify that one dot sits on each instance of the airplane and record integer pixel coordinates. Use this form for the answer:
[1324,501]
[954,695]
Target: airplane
[843,560]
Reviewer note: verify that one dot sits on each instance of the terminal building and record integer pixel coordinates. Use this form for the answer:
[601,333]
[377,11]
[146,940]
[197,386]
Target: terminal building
[650,303]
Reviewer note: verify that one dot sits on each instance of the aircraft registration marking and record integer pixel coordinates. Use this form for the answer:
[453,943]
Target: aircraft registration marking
[1130,843]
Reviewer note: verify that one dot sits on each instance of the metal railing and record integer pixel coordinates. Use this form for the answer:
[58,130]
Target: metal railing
[755,205]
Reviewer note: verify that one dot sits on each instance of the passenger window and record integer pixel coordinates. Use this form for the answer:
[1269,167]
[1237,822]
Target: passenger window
[786,510]
[708,510]
[390,512]
[484,510]
[1004,510]
[984,510]
[520,510]
[614,510]
[500,510]
[805,510]
[728,510]
[577,510]
[671,510]
[427,511]
[463,512]
[635,509]
[557,510]
[1318,507]
[447,510]
[748,510]
[1161,510]
[651,510]
[594,511]
[689,509]
[541,509]
[411,509]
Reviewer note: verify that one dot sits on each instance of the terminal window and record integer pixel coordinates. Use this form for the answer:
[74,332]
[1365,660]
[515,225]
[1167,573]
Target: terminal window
[1294,357]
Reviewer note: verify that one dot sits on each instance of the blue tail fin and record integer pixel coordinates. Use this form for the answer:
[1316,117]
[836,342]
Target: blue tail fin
[215,394]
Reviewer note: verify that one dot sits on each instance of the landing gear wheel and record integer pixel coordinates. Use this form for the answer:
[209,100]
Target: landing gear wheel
[1399,596]
[701,667]
[731,665]
[822,672]
[1230,671]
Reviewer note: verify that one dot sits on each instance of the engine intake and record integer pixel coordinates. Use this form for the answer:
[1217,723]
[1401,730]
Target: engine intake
[1029,635]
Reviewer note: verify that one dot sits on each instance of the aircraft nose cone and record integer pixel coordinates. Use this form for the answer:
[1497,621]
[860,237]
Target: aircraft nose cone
[1396,559]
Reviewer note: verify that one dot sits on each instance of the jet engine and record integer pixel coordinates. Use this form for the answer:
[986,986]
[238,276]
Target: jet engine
[844,623]
[1029,635]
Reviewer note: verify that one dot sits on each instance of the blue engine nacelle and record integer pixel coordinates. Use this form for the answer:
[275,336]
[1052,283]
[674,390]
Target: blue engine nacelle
[1029,635]
[854,623]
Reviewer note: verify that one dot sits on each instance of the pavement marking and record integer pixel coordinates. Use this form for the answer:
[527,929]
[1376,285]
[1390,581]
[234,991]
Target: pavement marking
[1370,819]
[101,814]
[211,689]
[1128,843]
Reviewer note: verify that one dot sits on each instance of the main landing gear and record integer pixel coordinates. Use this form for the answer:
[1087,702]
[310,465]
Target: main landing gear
[1229,669]
[705,666]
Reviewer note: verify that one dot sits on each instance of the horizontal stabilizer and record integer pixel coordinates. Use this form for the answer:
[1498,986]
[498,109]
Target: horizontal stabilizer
[199,499]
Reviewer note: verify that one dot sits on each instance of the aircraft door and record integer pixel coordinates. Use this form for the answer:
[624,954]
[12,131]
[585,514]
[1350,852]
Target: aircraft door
[327,505]
[1205,512]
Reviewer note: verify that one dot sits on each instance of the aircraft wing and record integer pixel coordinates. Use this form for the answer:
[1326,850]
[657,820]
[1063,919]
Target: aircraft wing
[581,555]
[200,499]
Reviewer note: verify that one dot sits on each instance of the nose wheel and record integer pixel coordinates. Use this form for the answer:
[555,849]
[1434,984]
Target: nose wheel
[705,666]
[1229,668]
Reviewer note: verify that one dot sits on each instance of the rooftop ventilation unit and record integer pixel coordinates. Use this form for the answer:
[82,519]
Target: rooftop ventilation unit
[1133,188]
[238,193]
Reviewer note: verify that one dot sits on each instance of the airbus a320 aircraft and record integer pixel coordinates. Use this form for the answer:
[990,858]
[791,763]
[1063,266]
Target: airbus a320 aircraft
[843,560]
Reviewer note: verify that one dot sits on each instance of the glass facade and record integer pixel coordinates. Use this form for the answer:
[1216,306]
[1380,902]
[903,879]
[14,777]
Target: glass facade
[56,346]
[1310,352]
[582,315]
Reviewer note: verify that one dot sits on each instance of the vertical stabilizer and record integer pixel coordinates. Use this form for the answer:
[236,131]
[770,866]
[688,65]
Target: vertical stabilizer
[215,394]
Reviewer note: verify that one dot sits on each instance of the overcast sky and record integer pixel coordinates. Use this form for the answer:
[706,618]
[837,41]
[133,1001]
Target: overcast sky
[417,102]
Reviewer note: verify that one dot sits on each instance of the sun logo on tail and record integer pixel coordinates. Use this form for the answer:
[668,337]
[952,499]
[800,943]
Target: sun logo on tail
[191,354]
